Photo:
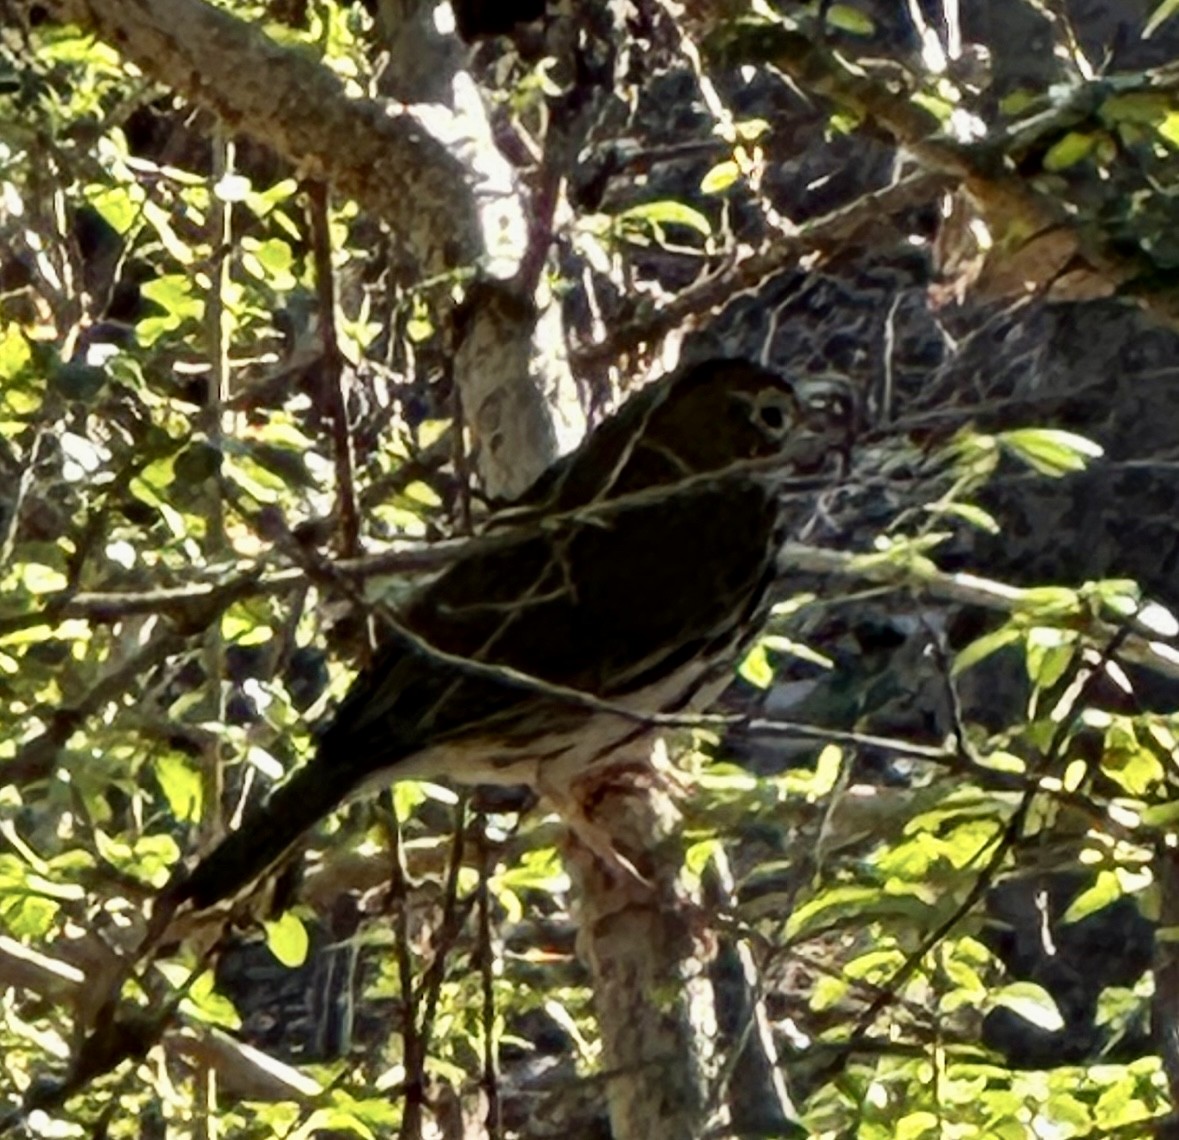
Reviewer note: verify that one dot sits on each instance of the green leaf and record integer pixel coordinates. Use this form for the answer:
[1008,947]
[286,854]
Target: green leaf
[151,857]
[119,205]
[1135,768]
[1032,1002]
[175,293]
[720,177]
[379,1111]
[876,966]
[261,202]
[333,1120]
[28,916]
[289,464]
[1162,815]
[968,512]
[1050,654]
[181,785]
[287,939]
[827,770]
[756,668]
[699,855]
[982,648]
[269,261]
[1121,596]
[1050,451]
[1168,129]
[540,870]
[1001,761]
[1050,603]
[205,1004]
[668,212]
[407,796]
[856,904]
[917,1126]
[827,993]
[1107,889]
[1068,151]
[845,18]
[750,130]
[423,494]
[40,579]
[15,354]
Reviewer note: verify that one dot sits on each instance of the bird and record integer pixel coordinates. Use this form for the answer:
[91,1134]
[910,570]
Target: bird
[625,582]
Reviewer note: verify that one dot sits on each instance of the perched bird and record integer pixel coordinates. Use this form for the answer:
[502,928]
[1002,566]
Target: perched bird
[625,582]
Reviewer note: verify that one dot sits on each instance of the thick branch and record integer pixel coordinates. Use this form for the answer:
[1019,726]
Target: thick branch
[246,1071]
[287,100]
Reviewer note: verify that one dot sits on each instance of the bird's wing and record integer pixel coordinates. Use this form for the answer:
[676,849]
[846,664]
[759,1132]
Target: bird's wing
[604,605]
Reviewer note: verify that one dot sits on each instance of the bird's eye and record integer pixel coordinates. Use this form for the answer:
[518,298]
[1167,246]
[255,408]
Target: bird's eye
[773,417]
[773,413]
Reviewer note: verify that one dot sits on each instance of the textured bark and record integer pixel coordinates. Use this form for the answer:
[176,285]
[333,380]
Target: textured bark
[501,377]
[288,101]
[649,956]
[510,423]
[1165,1006]
[754,1087]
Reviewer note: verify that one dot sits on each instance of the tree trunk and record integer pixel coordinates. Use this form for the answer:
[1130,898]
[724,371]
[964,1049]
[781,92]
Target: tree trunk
[648,954]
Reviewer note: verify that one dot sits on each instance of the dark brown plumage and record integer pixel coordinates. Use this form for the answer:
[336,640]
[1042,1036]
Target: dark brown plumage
[634,571]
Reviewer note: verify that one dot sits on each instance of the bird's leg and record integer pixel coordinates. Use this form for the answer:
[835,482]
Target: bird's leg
[569,801]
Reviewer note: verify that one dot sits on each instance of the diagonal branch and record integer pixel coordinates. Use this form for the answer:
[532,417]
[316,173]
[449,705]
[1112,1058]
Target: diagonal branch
[289,101]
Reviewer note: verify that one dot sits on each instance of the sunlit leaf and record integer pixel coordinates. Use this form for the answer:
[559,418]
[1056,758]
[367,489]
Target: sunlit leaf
[667,212]
[720,177]
[982,648]
[756,668]
[1069,150]
[1050,603]
[1050,653]
[287,939]
[1105,890]
[971,513]
[1032,1002]
[119,205]
[206,1005]
[1051,451]
[827,993]
[827,769]
[15,354]
[919,1125]
[181,785]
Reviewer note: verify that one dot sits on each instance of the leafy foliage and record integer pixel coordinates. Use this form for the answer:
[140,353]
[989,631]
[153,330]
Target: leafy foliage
[169,443]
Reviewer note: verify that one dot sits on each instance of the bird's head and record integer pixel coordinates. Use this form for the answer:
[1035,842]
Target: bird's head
[724,412]
[712,417]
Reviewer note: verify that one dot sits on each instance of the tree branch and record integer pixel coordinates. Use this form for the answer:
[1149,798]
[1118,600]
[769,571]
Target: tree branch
[286,99]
